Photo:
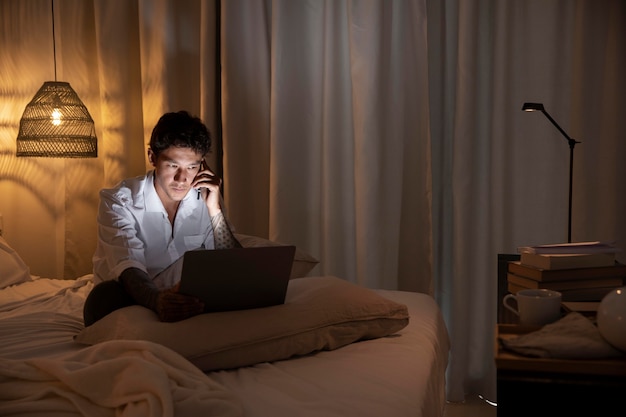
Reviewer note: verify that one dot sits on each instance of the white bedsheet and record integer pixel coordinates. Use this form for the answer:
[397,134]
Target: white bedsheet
[400,375]
[115,378]
[40,317]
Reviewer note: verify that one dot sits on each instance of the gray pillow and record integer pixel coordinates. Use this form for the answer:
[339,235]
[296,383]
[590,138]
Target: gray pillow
[303,263]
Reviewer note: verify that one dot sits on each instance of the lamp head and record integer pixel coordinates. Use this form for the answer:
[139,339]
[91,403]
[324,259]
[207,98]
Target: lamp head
[56,124]
[533,107]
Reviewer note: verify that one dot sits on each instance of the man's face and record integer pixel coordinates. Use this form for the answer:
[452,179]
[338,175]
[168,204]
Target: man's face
[175,169]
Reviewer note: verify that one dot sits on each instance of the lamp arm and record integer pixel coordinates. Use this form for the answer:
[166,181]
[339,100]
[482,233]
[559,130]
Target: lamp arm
[571,141]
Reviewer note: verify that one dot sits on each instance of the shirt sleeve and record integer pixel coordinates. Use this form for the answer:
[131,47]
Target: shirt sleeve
[118,246]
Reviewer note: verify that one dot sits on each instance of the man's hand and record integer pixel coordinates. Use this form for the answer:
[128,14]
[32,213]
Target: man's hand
[208,180]
[169,304]
[173,306]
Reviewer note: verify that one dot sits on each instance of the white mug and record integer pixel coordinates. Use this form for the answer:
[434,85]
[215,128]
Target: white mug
[535,306]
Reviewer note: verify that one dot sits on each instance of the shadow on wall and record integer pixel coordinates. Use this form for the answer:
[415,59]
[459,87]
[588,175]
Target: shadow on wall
[49,207]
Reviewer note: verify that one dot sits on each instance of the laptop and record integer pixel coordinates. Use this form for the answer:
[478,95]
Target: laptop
[238,278]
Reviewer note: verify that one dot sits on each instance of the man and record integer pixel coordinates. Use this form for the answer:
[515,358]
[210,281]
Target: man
[146,224]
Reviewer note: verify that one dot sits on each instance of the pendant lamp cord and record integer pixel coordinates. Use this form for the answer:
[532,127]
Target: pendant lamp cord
[54,43]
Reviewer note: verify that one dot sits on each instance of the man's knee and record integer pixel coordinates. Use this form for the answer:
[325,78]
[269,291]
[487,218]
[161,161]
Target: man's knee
[103,299]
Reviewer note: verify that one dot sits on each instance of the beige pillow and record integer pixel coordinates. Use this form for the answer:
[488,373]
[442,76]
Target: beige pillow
[13,270]
[320,313]
[303,263]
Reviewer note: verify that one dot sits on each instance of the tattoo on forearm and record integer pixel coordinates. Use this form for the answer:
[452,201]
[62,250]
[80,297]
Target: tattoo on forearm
[223,236]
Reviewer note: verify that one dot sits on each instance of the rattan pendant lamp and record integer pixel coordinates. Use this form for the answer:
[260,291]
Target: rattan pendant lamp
[56,123]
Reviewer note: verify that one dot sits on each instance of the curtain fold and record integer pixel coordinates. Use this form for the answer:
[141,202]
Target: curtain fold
[245,85]
[346,139]
[385,138]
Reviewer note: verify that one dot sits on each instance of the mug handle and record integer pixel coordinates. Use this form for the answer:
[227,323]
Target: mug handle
[506,302]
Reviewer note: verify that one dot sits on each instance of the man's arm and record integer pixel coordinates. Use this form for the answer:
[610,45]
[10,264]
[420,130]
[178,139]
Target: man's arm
[222,234]
[168,304]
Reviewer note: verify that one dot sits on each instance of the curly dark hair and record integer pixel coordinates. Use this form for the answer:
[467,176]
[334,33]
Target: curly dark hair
[182,130]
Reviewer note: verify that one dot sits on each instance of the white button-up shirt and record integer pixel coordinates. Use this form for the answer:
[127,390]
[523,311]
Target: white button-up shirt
[134,231]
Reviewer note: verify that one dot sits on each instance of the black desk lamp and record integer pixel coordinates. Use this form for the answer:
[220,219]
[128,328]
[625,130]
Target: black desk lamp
[572,143]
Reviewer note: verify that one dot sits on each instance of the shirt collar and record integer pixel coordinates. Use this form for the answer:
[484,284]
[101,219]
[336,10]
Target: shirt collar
[153,202]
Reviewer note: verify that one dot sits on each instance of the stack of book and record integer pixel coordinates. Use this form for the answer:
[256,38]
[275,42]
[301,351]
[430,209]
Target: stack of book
[584,271]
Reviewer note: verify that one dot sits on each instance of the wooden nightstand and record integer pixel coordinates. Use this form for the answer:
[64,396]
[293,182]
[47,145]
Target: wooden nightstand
[534,387]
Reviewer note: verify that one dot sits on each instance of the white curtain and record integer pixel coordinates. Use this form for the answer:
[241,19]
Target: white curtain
[385,138]
[500,175]
[326,136]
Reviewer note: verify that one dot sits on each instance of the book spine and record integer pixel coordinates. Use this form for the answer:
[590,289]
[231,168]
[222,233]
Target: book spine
[566,285]
[567,261]
[585,294]
[514,288]
[578,294]
[617,270]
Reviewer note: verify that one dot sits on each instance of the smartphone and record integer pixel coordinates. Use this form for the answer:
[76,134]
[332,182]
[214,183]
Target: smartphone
[203,166]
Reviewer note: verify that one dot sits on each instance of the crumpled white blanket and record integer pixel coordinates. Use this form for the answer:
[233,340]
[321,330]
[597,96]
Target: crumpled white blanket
[118,378]
[572,337]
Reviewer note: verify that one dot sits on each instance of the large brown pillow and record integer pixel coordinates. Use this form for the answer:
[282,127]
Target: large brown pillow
[320,313]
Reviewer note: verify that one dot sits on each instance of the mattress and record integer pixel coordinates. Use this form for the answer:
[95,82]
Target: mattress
[398,375]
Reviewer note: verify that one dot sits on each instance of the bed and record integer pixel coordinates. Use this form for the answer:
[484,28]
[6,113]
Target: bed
[333,349]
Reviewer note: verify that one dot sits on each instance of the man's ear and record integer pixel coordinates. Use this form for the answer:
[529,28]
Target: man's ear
[151,157]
